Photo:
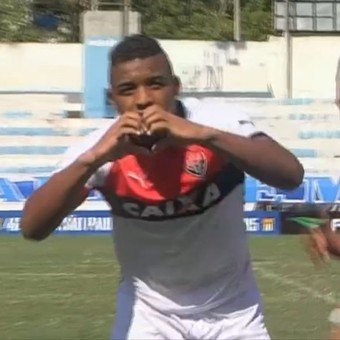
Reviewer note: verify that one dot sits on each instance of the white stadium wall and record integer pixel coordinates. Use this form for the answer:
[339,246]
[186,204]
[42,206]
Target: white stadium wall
[202,65]
[34,66]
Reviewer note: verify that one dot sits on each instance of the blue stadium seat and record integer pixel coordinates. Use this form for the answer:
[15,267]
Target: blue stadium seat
[322,134]
[308,116]
[305,153]
[26,170]
[16,114]
[32,150]
[42,131]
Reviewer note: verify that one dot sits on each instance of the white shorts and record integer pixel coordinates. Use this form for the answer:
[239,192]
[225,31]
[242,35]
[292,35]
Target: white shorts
[136,320]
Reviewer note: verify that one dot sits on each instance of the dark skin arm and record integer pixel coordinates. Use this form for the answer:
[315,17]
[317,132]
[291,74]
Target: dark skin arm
[47,207]
[260,157]
[65,191]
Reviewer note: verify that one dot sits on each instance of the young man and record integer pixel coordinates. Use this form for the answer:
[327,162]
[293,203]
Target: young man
[173,178]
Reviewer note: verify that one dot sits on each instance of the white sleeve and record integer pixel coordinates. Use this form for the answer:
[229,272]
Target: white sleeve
[72,153]
[226,117]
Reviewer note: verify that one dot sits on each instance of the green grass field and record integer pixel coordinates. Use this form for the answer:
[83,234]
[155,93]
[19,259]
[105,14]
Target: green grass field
[64,288]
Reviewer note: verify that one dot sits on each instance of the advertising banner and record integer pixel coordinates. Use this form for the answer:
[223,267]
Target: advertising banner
[78,222]
[314,189]
[100,221]
[263,222]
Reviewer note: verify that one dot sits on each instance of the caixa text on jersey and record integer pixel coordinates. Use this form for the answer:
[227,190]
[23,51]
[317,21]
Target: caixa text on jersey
[186,205]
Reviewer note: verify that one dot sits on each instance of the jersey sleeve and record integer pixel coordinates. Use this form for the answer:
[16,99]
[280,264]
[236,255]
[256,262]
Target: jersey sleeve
[73,152]
[230,118]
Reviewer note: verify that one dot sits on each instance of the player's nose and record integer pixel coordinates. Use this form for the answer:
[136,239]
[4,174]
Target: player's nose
[143,99]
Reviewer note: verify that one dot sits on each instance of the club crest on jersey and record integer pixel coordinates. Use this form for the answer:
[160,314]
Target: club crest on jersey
[196,163]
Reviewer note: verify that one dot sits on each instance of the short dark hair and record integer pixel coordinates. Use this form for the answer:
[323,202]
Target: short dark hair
[136,46]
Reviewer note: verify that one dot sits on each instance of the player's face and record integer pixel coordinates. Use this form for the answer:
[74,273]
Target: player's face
[140,83]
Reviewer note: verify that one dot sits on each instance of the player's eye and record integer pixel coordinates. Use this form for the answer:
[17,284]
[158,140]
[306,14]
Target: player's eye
[127,91]
[155,85]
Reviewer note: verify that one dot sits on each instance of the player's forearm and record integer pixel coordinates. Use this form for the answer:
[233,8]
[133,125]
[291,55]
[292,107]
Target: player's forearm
[260,157]
[61,194]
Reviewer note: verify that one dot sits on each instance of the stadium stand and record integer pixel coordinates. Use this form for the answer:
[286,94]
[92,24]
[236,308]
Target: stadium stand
[35,133]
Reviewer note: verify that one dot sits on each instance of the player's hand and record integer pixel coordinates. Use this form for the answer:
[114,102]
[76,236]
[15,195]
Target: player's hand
[316,246]
[116,142]
[171,129]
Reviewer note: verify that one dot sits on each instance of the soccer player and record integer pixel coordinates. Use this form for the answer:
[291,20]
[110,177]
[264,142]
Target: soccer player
[174,179]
